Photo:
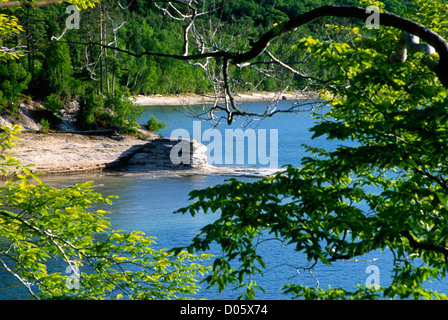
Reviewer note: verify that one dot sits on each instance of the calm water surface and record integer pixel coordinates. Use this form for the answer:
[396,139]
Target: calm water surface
[147,202]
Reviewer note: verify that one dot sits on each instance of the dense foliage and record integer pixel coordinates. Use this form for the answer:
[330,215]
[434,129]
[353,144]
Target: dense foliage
[59,249]
[383,187]
[77,66]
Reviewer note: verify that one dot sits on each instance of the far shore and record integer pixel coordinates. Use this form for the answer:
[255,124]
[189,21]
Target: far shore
[196,99]
[71,151]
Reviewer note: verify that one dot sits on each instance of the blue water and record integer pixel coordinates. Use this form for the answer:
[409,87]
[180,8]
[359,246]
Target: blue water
[147,202]
[292,129]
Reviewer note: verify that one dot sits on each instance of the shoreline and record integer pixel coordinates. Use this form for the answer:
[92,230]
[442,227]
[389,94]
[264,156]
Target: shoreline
[197,99]
[70,151]
[59,153]
[62,154]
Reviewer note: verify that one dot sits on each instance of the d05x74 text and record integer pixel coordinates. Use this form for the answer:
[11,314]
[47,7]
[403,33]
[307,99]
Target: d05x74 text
[245,309]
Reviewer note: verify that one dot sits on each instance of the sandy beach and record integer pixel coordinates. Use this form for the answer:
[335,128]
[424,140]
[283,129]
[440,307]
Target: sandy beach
[195,99]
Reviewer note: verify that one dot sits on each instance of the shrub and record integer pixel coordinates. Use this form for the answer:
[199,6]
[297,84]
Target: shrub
[45,125]
[154,125]
[53,103]
[113,110]
[89,105]
[120,111]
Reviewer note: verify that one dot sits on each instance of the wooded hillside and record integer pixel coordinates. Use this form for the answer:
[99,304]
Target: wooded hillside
[79,64]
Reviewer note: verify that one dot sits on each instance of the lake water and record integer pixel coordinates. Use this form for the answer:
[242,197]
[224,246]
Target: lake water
[147,202]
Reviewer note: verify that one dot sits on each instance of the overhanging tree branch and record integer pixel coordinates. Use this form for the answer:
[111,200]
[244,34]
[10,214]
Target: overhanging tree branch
[29,3]
[213,54]
[386,19]
[245,57]
[424,246]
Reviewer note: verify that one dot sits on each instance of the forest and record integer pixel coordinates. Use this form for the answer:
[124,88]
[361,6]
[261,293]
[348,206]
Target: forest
[58,64]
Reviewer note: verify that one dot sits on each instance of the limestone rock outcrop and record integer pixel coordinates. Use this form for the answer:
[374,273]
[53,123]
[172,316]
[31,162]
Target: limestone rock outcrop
[58,153]
[163,153]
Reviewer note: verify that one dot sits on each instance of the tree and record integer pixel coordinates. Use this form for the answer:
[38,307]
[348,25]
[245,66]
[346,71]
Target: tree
[58,249]
[9,26]
[56,73]
[14,80]
[223,56]
[387,192]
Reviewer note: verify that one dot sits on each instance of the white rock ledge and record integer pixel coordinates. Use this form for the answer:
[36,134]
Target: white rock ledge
[59,153]
[68,153]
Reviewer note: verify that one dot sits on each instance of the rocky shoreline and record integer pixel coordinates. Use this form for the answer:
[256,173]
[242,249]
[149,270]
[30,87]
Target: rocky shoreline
[64,153]
[69,151]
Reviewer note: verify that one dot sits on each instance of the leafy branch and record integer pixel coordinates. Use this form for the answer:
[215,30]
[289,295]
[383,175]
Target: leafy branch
[245,58]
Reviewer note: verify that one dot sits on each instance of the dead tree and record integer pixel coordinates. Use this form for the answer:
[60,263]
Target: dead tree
[216,60]
[216,57]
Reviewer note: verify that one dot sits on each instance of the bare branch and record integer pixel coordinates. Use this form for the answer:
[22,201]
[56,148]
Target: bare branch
[294,71]
[210,46]
[29,3]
